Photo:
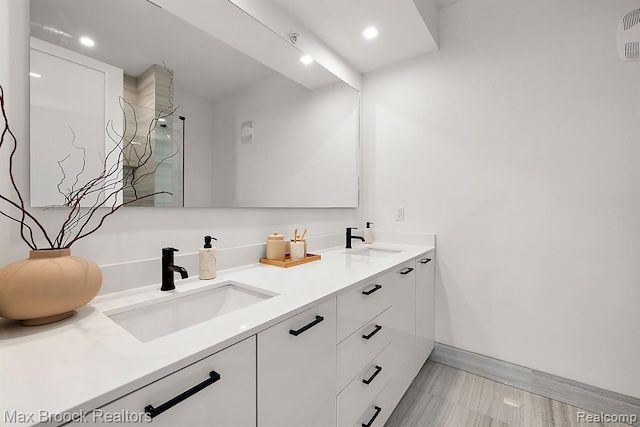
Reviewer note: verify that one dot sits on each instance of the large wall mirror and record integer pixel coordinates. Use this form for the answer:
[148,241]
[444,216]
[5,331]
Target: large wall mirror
[268,132]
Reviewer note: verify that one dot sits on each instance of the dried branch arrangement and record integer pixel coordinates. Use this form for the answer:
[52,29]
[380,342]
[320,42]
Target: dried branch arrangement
[104,190]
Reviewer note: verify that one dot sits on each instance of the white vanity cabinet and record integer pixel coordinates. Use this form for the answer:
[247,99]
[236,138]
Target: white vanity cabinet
[297,370]
[391,354]
[344,362]
[425,307]
[219,390]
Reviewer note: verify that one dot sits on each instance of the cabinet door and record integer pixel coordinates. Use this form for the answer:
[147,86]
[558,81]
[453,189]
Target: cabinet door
[297,370]
[425,307]
[219,390]
[403,324]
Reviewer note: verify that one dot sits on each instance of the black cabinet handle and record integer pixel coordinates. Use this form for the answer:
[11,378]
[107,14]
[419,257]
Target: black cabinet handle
[378,409]
[375,331]
[375,374]
[306,327]
[425,260]
[370,291]
[154,412]
[406,270]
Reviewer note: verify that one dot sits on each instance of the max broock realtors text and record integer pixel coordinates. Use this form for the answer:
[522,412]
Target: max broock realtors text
[97,416]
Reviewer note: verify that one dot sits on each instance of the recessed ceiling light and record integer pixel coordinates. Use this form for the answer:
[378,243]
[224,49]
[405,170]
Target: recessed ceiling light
[36,75]
[161,120]
[370,33]
[306,59]
[87,41]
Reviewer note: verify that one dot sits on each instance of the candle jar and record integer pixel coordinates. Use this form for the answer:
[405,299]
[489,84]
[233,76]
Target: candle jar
[276,246]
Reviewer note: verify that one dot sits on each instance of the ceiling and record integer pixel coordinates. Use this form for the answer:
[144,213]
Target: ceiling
[339,23]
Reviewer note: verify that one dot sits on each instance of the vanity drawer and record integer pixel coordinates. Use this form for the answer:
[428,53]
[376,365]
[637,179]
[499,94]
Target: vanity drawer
[357,351]
[217,390]
[355,400]
[378,411]
[362,304]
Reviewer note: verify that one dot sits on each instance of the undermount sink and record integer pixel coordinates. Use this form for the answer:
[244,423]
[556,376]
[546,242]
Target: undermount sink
[178,312]
[373,252]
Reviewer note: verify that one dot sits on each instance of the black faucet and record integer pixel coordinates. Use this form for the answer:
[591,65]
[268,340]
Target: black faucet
[168,269]
[350,237]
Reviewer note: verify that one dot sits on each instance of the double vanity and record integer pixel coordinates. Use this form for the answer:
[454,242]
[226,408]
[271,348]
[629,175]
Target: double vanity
[329,343]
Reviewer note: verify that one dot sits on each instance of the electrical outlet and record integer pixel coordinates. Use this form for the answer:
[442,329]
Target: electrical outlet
[399,213]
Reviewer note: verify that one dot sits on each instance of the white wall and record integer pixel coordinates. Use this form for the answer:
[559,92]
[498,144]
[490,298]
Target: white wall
[518,144]
[133,233]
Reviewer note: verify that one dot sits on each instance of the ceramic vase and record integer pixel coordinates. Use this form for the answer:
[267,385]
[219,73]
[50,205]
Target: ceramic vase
[47,286]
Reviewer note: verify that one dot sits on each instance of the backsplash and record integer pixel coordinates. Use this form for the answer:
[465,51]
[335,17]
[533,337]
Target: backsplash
[134,274]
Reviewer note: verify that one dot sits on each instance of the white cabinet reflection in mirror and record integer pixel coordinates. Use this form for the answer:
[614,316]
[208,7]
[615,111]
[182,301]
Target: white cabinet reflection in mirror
[72,97]
[305,121]
[91,124]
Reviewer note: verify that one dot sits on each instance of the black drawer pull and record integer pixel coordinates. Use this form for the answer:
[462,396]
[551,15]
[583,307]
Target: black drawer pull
[306,327]
[370,291]
[378,409]
[375,374]
[406,270]
[425,260]
[154,412]
[375,331]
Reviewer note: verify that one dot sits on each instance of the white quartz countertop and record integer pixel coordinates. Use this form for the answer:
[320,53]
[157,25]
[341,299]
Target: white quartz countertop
[88,360]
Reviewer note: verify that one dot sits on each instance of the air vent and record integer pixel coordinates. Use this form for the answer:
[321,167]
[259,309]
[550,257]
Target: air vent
[631,19]
[629,36]
[632,50]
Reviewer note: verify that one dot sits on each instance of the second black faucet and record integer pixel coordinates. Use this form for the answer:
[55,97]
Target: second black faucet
[350,237]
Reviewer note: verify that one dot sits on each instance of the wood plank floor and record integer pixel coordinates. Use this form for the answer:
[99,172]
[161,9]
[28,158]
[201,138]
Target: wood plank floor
[442,396]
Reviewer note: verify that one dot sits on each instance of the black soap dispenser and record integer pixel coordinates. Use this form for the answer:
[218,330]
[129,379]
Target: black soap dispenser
[207,260]
[368,233]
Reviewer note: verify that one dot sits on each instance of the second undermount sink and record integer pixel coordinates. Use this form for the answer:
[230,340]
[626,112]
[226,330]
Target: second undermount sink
[178,312]
[374,252]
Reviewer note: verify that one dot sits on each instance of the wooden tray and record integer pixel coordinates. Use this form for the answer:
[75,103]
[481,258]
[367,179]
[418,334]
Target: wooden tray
[287,261]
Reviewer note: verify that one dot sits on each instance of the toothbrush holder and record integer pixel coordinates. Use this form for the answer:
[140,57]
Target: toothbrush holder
[297,250]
